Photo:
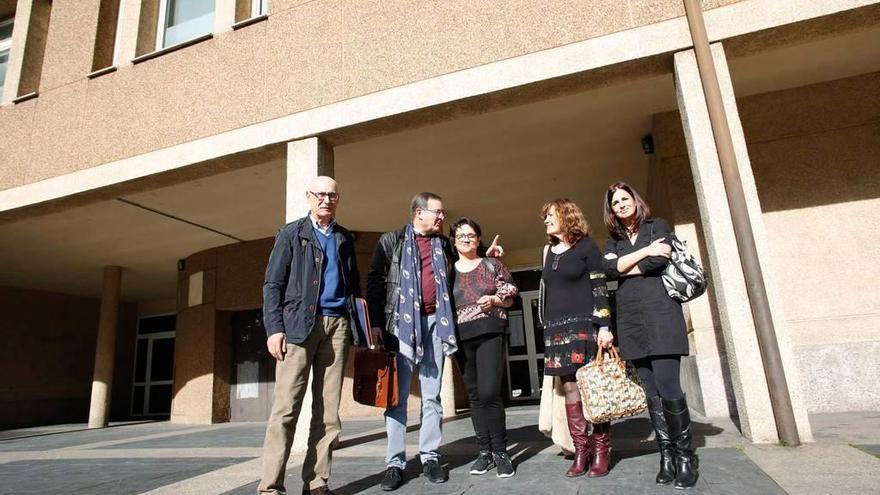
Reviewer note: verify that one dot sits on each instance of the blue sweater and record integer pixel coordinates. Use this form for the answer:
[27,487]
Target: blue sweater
[331,302]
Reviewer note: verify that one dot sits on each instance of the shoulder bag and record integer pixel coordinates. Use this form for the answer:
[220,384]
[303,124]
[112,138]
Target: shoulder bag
[683,276]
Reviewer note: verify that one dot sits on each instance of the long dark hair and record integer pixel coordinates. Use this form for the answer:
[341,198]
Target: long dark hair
[615,227]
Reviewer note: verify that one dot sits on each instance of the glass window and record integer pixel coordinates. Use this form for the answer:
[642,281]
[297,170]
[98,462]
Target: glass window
[182,20]
[162,360]
[258,7]
[160,400]
[5,45]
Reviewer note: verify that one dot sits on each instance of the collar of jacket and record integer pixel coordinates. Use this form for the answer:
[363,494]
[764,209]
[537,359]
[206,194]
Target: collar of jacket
[307,231]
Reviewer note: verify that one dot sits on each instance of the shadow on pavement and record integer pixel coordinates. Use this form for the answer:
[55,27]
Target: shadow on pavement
[524,442]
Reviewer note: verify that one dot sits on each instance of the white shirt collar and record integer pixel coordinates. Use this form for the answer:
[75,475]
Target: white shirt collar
[324,230]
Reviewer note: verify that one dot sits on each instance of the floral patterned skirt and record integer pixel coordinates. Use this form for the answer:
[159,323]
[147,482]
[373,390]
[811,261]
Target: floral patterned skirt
[568,346]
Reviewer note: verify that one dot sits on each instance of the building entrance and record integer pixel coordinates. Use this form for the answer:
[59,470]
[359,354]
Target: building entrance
[253,368]
[154,366]
[525,350]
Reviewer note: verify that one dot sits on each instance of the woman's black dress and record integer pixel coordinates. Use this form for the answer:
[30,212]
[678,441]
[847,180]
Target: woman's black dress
[573,307]
[649,322]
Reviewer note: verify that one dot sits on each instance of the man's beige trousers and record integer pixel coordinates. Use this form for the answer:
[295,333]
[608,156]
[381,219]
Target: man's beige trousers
[323,356]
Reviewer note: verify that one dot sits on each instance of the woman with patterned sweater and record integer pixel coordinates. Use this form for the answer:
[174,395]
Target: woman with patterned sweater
[575,314]
[482,289]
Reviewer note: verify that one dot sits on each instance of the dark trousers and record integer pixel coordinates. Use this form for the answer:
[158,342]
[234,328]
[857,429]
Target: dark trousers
[481,361]
[661,375]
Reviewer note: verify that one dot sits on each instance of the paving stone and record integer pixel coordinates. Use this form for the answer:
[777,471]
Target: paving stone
[240,435]
[874,450]
[89,476]
[722,471]
[78,461]
[50,439]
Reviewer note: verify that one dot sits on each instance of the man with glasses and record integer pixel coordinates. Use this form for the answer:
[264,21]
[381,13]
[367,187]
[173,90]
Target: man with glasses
[410,304]
[308,311]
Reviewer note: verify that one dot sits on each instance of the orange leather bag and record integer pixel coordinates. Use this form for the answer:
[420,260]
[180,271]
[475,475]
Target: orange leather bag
[375,369]
[375,378]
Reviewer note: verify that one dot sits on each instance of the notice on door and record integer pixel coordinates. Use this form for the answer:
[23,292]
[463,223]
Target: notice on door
[247,380]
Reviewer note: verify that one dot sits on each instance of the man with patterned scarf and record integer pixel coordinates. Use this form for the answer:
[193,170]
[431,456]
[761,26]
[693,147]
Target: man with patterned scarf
[410,305]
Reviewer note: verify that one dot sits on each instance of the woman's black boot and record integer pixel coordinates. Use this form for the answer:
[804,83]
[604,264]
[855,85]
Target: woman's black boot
[664,443]
[679,421]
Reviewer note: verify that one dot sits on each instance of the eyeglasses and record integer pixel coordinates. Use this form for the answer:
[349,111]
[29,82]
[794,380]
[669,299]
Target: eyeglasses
[325,196]
[466,237]
[439,213]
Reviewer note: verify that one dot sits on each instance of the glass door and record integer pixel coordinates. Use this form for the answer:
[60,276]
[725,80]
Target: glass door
[525,350]
[153,367]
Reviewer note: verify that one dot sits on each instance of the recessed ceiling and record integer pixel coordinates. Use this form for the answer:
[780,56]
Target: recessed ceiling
[498,167]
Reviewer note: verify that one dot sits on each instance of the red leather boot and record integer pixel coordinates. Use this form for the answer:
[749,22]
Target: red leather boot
[601,450]
[577,426]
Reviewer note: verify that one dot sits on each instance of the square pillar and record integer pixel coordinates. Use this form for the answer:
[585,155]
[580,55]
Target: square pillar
[125,46]
[224,15]
[306,159]
[727,280]
[16,52]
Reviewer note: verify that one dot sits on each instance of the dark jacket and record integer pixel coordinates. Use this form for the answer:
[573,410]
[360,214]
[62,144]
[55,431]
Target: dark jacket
[293,280]
[649,322]
[383,280]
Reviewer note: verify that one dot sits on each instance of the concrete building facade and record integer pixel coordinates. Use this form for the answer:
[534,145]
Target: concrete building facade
[150,149]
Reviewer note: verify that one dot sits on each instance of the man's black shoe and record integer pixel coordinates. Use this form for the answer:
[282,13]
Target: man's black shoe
[433,471]
[393,479]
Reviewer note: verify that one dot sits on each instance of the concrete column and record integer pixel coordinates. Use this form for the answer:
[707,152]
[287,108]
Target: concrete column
[306,159]
[23,10]
[447,389]
[127,32]
[224,15]
[743,355]
[105,349]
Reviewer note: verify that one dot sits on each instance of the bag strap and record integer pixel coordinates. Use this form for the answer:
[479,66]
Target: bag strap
[491,266]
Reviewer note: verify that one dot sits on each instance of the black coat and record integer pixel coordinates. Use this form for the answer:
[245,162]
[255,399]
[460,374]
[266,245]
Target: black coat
[649,322]
[293,280]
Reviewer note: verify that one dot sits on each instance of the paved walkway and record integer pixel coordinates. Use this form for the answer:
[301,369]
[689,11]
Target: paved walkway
[162,458]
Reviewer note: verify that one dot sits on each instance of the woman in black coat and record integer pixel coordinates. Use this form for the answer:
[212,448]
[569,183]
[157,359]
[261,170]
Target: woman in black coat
[651,330]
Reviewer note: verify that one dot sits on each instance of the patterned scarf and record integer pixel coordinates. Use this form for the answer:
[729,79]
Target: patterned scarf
[407,312]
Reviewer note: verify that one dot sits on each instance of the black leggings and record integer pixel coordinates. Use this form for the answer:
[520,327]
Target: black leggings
[481,361]
[661,375]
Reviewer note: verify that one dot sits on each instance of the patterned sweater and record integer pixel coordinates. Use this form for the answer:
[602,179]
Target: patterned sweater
[489,278]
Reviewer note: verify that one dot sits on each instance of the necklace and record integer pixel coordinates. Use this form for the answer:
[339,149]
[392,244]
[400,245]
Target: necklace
[556,257]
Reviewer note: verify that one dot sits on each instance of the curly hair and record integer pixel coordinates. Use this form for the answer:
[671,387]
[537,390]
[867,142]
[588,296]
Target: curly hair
[615,227]
[572,223]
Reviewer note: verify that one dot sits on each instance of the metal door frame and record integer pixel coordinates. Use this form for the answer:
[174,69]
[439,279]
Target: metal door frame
[531,355]
[147,383]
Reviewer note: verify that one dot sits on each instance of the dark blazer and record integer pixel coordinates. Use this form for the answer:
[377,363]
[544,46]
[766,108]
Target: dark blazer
[293,280]
[649,322]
